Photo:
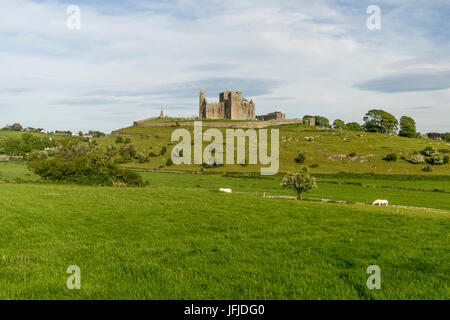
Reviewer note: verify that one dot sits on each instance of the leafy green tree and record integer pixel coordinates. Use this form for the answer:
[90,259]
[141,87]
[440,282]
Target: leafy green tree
[339,124]
[407,127]
[380,121]
[299,181]
[301,157]
[353,126]
[322,121]
[96,134]
[446,136]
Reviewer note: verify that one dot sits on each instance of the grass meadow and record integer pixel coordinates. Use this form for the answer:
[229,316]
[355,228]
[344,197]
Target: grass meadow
[180,239]
[178,243]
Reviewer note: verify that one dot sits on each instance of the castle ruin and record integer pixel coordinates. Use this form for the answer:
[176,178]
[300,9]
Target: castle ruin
[231,106]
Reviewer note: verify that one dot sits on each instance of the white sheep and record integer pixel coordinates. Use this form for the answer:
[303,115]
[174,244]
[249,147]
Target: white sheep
[226,190]
[380,203]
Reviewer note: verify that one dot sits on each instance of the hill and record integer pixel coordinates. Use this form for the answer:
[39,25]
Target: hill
[326,150]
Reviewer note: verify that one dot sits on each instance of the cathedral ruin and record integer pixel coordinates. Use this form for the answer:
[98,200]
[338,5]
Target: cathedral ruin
[231,106]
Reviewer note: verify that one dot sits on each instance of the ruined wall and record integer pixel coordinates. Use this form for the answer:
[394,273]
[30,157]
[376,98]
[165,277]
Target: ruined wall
[250,124]
[272,116]
[215,111]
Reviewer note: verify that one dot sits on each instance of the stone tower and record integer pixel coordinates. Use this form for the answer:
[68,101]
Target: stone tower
[202,104]
[161,115]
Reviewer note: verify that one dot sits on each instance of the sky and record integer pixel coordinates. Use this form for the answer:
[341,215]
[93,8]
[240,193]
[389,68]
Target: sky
[300,57]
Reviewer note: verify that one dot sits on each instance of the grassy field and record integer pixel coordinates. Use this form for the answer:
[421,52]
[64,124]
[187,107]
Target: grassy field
[326,150]
[18,134]
[12,171]
[332,187]
[166,242]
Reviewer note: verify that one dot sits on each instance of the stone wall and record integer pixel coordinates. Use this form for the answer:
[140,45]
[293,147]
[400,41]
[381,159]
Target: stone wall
[272,116]
[240,124]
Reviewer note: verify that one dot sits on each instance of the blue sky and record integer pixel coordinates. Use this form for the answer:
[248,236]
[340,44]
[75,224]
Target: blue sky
[297,56]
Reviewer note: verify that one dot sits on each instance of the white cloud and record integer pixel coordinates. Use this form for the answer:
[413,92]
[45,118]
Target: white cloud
[315,53]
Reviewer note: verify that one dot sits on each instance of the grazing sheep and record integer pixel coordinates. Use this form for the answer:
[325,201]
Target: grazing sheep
[226,190]
[380,203]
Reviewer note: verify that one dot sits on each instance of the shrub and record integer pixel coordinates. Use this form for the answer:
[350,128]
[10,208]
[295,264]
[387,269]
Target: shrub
[390,157]
[119,139]
[428,151]
[300,158]
[427,169]
[85,170]
[128,151]
[314,165]
[163,150]
[437,159]
[169,162]
[127,140]
[353,154]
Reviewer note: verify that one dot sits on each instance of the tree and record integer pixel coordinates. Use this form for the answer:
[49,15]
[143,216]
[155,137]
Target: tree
[407,127]
[353,126]
[322,121]
[300,181]
[16,127]
[380,121]
[300,158]
[338,124]
[446,136]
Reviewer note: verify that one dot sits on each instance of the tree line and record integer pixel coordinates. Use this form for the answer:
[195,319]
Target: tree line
[377,120]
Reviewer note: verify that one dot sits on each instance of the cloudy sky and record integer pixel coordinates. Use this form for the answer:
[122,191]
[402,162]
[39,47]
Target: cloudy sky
[300,57]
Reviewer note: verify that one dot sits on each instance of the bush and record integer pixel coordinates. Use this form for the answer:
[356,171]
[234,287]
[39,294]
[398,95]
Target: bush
[353,154]
[119,139]
[427,169]
[163,150]
[169,162]
[390,157]
[314,165]
[300,158]
[85,170]
[437,159]
[428,151]
[127,140]
[128,151]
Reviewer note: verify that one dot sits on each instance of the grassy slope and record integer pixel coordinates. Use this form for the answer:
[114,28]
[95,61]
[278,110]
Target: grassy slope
[169,243]
[325,143]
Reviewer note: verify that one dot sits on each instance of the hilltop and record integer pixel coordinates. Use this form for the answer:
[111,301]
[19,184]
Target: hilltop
[326,150]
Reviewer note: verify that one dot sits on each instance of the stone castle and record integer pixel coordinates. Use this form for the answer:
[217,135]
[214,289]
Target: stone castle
[231,106]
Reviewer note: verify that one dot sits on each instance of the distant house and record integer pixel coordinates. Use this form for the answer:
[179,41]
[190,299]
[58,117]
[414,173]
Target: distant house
[434,135]
[44,131]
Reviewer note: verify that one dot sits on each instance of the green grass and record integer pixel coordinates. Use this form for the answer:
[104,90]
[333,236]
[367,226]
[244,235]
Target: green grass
[15,171]
[323,150]
[271,185]
[18,134]
[338,189]
[168,242]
